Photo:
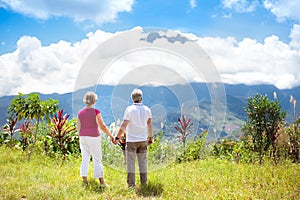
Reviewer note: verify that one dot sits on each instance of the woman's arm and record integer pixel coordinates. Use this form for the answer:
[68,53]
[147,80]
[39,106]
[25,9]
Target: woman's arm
[103,127]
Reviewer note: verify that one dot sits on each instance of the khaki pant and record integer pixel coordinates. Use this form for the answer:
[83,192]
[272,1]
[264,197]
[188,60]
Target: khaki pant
[133,150]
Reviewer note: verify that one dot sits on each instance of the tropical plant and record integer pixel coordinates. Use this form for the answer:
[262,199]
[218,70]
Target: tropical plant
[182,126]
[61,131]
[10,130]
[26,130]
[264,120]
[32,108]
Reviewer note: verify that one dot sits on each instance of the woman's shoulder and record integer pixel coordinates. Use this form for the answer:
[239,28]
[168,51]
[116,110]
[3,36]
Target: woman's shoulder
[81,110]
[97,111]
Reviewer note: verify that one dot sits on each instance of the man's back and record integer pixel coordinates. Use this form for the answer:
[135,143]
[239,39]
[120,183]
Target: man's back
[138,115]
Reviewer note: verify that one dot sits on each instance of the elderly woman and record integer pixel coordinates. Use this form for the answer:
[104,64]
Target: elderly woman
[88,121]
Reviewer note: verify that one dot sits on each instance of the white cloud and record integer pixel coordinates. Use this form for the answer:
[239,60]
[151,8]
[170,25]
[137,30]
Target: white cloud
[240,6]
[54,68]
[46,69]
[250,62]
[79,10]
[284,9]
[193,3]
[295,36]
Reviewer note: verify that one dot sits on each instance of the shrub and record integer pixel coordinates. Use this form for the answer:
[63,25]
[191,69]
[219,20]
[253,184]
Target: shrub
[160,151]
[264,120]
[61,132]
[26,130]
[237,151]
[194,148]
[294,141]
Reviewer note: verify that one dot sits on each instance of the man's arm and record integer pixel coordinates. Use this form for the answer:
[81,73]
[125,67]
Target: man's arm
[150,131]
[121,130]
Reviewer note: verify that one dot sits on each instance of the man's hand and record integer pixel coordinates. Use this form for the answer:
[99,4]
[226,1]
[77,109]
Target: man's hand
[150,140]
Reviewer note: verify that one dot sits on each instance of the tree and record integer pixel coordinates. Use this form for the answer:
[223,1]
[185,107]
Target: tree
[32,108]
[263,123]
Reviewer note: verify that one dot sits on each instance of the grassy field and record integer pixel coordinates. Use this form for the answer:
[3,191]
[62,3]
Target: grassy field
[45,178]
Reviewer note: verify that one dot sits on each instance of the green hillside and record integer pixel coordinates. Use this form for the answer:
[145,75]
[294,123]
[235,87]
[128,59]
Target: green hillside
[166,107]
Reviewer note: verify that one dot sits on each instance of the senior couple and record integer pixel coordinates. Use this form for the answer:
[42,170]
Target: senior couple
[137,123]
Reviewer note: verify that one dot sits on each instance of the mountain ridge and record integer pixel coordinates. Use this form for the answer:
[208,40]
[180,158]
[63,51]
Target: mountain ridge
[164,101]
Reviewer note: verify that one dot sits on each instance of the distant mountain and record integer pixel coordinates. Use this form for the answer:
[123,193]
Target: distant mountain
[166,102]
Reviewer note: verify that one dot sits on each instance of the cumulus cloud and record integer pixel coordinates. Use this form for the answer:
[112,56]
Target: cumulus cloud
[295,36]
[79,10]
[240,6]
[47,69]
[283,9]
[54,68]
[251,62]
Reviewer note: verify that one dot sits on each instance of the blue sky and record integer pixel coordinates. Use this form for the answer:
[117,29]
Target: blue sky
[249,29]
[207,18]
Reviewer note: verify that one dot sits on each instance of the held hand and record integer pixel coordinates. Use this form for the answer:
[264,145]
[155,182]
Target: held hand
[150,140]
[113,140]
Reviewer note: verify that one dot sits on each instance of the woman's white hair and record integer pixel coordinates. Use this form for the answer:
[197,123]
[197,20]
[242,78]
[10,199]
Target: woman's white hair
[90,98]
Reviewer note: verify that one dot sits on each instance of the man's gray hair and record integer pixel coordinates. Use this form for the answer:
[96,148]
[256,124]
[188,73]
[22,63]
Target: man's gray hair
[136,95]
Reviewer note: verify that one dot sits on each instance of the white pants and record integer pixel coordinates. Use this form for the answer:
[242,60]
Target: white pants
[91,146]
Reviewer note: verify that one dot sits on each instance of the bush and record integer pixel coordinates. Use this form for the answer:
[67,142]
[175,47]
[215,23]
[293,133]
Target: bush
[160,151]
[194,148]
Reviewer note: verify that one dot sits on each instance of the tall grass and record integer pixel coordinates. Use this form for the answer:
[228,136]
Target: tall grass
[49,178]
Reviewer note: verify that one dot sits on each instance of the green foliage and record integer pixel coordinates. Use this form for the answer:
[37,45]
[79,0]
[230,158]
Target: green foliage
[9,131]
[17,106]
[264,120]
[237,151]
[61,132]
[31,107]
[26,130]
[294,140]
[160,151]
[112,154]
[194,148]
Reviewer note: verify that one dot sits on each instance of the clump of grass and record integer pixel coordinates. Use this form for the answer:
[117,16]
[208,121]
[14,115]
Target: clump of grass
[49,178]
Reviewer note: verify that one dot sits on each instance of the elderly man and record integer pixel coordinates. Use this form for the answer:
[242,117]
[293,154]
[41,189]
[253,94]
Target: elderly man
[137,122]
